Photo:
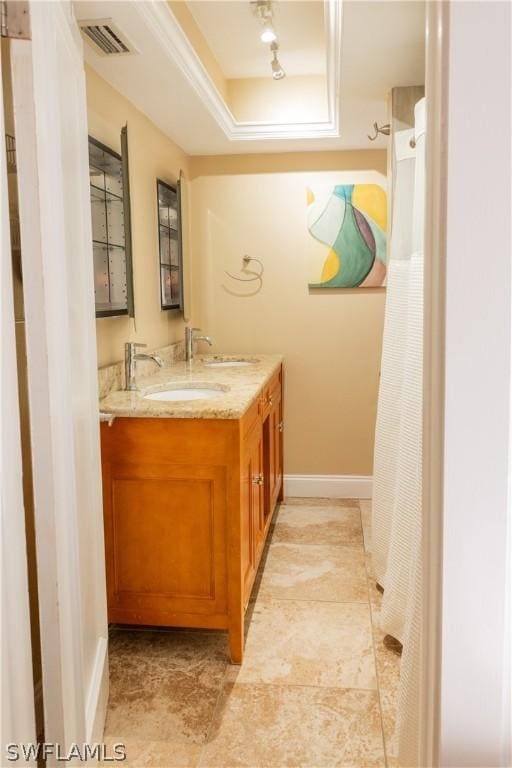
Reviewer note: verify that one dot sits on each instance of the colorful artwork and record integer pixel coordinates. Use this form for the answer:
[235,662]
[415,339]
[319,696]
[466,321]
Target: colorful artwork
[350,221]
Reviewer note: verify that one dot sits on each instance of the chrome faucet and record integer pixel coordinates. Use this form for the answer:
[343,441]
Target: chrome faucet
[131,357]
[190,338]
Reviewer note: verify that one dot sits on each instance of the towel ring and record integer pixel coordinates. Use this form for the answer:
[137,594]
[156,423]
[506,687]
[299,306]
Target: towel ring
[246,260]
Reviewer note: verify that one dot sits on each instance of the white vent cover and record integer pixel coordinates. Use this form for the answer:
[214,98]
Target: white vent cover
[106,38]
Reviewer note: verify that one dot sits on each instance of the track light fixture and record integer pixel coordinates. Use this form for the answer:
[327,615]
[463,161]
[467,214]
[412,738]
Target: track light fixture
[268,34]
[277,71]
[263,10]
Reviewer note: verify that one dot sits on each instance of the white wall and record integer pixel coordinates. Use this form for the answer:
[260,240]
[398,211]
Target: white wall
[475,671]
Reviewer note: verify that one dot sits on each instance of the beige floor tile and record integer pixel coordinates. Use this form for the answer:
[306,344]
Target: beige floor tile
[365,505]
[155,754]
[314,572]
[388,662]
[306,692]
[318,501]
[369,565]
[164,685]
[262,726]
[375,593]
[332,525]
[309,643]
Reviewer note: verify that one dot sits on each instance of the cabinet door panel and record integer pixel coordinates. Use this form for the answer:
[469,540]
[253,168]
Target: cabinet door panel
[273,451]
[253,522]
[279,449]
[166,540]
[277,463]
[258,516]
[163,533]
[247,544]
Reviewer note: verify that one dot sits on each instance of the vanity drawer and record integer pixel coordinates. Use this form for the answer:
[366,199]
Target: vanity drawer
[251,417]
[270,394]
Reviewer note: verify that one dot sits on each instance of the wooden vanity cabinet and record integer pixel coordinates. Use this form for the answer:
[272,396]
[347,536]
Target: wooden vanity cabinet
[187,508]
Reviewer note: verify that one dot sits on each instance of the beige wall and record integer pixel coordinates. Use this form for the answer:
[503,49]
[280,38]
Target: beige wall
[255,204]
[151,155]
[331,340]
[293,99]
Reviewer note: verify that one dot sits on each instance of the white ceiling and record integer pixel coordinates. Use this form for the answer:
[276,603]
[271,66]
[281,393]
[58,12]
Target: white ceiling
[232,32]
[383,46]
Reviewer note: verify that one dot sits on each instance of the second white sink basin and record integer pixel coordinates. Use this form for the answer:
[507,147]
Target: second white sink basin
[182,392]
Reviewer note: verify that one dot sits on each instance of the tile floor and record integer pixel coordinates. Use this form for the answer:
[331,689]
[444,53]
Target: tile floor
[317,687]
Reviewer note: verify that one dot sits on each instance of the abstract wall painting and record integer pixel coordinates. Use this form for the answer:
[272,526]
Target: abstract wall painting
[349,221]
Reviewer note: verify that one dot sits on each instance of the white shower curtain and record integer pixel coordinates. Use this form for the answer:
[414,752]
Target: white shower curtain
[387,431]
[406,515]
[396,508]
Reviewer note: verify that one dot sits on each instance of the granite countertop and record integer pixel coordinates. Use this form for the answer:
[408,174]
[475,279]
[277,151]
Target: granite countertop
[240,386]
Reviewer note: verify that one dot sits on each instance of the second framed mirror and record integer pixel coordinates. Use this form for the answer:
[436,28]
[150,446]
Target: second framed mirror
[170,245]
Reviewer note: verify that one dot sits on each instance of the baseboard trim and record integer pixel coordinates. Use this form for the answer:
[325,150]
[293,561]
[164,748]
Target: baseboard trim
[329,486]
[96,704]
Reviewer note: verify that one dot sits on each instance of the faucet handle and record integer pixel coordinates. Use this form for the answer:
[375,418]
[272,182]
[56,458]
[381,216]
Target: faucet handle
[134,344]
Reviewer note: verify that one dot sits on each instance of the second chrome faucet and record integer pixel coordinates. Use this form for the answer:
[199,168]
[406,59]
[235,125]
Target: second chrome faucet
[130,358]
[190,338]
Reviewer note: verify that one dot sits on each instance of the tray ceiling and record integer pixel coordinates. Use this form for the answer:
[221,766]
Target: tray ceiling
[232,33]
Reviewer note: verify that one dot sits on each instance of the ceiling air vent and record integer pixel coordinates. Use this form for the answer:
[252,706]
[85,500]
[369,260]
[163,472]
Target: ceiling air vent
[106,38]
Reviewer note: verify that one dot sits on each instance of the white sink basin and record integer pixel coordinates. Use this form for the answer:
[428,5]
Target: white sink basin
[230,362]
[182,392]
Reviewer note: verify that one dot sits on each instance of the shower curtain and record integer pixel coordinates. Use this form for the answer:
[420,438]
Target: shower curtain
[396,507]
[387,430]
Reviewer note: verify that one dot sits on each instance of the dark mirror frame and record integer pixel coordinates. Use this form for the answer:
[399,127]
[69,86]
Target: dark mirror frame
[167,265]
[129,310]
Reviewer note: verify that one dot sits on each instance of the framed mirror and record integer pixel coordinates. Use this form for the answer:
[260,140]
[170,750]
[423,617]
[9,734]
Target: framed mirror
[111,230]
[170,245]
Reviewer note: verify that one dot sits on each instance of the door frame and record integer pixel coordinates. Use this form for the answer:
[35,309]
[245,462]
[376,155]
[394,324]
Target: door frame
[57,263]
[436,87]
[454,724]
[17,723]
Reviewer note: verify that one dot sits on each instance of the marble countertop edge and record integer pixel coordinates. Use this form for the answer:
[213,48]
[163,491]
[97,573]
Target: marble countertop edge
[243,385]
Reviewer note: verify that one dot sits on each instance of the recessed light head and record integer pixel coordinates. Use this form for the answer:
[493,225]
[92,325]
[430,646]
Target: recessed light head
[268,35]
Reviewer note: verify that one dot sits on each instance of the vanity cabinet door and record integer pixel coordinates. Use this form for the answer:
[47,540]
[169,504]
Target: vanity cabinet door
[247,534]
[276,454]
[258,506]
[273,427]
[166,521]
[252,508]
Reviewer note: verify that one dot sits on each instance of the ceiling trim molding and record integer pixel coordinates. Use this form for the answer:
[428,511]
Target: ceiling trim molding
[161,22]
